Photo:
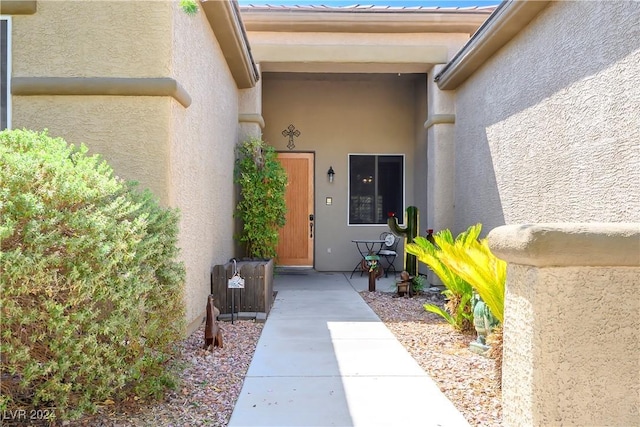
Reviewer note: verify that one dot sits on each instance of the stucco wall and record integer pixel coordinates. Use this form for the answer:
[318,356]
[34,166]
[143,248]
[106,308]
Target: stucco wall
[571,354]
[202,142]
[129,132]
[548,128]
[93,39]
[337,115]
[79,39]
[420,154]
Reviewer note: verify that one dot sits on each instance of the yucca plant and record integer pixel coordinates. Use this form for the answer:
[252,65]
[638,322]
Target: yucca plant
[458,292]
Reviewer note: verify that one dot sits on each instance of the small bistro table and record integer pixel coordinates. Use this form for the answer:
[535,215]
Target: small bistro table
[366,247]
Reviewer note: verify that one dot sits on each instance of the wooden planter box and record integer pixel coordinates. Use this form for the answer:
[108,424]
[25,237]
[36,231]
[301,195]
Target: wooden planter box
[252,302]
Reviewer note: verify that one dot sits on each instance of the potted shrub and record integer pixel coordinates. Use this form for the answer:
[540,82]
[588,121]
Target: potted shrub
[261,208]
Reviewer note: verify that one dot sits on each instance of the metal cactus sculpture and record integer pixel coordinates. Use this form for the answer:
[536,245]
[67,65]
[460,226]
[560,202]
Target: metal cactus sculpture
[409,232]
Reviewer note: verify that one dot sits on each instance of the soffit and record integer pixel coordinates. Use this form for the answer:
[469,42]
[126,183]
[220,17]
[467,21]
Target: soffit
[348,57]
[356,19]
[344,67]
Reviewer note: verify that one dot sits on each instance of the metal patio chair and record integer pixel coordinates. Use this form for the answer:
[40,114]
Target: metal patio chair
[389,251]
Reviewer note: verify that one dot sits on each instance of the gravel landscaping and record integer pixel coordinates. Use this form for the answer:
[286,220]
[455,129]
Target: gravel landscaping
[211,381]
[211,384]
[466,378]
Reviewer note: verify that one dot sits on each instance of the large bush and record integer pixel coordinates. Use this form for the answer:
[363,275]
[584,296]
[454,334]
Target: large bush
[92,294]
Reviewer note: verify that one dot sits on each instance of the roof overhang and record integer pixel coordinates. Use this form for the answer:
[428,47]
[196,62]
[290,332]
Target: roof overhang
[224,18]
[509,18]
[371,20]
[348,58]
[353,39]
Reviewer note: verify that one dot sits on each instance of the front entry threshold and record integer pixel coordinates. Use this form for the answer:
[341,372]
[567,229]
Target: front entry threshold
[294,270]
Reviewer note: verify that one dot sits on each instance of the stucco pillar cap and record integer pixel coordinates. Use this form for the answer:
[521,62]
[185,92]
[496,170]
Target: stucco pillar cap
[568,244]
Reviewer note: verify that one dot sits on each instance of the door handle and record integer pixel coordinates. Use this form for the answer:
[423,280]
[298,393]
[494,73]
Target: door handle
[311,226]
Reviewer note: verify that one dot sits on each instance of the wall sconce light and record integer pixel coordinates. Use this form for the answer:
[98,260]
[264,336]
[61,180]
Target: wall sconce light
[330,174]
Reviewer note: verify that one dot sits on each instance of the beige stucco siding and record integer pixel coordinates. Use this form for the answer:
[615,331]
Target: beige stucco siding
[93,39]
[548,129]
[420,153]
[99,39]
[338,115]
[569,382]
[128,132]
[202,141]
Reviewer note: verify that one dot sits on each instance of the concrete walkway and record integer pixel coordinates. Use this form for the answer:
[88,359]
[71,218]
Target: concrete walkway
[325,359]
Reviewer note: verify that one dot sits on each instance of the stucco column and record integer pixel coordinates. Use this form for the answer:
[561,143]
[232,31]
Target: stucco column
[250,120]
[572,324]
[440,155]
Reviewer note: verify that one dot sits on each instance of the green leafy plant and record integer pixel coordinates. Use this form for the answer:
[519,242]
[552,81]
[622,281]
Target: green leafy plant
[458,292]
[418,284]
[92,294]
[262,206]
[190,7]
[486,273]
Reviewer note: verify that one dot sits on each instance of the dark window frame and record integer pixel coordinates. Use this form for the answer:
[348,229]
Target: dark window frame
[358,213]
[5,72]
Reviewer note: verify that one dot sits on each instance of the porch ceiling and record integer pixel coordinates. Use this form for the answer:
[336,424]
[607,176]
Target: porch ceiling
[346,68]
[357,39]
[346,58]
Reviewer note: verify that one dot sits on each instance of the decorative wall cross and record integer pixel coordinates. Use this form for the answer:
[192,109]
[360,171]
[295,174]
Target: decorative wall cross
[291,132]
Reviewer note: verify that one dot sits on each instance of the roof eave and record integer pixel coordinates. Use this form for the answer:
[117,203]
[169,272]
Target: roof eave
[509,18]
[224,19]
[363,21]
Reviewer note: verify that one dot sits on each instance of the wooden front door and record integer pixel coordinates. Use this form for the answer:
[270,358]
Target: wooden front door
[295,247]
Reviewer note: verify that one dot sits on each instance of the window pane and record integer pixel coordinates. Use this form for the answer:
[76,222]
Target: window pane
[390,173]
[362,170]
[375,188]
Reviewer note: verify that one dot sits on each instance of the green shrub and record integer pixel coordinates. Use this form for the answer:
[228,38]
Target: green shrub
[262,206]
[92,294]
[418,284]
[190,7]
